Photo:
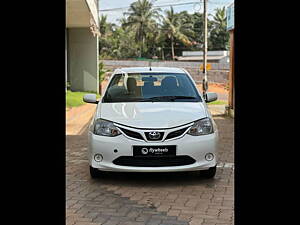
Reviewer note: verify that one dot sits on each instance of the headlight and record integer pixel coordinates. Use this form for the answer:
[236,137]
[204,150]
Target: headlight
[105,128]
[201,127]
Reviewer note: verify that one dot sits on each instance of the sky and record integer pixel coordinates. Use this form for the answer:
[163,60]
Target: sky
[113,16]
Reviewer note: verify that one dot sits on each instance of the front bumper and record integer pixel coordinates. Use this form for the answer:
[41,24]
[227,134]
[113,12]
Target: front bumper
[194,146]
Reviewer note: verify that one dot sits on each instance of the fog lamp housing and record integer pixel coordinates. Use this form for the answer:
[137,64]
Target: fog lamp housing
[98,157]
[209,156]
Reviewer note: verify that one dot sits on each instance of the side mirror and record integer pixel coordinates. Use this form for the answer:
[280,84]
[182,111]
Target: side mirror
[90,98]
[211,96]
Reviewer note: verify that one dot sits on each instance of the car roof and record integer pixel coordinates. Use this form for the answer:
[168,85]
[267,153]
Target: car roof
[147,70]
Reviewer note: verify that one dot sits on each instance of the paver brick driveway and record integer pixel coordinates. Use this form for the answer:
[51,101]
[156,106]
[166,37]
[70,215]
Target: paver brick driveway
[150,198]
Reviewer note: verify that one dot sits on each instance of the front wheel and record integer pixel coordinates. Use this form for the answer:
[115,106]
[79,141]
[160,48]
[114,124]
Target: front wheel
[95,173]
[210,173]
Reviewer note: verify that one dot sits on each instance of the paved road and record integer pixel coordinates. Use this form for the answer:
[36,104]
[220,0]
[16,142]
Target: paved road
[78,118]
[222,96]
[151,199]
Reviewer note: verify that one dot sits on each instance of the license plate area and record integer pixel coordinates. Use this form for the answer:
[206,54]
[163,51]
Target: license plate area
[164,150]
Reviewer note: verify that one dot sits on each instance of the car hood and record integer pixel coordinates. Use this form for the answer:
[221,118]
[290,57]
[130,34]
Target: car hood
[152,114]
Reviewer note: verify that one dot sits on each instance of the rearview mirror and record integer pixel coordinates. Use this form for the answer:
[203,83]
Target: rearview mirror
[211,96]
[149,79]
[90,98]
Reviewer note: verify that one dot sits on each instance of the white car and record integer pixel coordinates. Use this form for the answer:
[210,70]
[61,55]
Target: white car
[152,120]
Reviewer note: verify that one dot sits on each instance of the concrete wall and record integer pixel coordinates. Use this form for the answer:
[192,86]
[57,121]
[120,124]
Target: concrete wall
[93,7]
[83,60]
[200,53]
[218,74]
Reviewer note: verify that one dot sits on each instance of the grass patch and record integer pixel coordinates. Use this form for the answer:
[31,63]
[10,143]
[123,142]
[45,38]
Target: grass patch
[218,102]
[74,99]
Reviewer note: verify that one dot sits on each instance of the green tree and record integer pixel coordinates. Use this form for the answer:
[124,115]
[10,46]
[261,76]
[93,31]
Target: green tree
[142,32]
[141,20]
[198,28]
[220,17]
[219,36]
[103,24]
[175,27]
[102,72]
[106,33]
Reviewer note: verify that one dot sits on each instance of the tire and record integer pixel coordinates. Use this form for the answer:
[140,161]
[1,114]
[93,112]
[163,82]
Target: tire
[210,173]
[95,173]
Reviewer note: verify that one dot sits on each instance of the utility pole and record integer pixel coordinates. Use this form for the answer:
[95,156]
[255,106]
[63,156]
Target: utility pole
[205,82]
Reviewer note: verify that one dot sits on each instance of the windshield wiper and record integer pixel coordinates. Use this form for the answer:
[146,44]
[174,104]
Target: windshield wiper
[170,98]
[124,100]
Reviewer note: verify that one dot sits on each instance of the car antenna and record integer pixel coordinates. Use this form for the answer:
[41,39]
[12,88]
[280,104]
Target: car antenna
[150,66]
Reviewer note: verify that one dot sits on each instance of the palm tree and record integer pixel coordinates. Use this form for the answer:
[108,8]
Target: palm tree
[219,36]
[103,24]
[141,19]
[220,17]
[123,21]
[106,28]
[175,27]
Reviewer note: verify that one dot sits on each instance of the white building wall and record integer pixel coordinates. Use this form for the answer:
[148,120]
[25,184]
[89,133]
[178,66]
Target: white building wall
[93,7]
[83,60]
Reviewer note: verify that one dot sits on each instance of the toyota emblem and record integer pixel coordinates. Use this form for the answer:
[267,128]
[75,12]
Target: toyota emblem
[154,135]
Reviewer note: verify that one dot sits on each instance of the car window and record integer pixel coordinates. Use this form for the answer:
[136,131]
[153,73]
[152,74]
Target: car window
[164,87]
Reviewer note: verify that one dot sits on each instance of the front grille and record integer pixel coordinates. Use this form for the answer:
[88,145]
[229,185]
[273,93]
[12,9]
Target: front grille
[176,133]
[132,134]
[154,161]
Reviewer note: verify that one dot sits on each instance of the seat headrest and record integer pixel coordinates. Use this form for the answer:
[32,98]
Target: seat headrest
[131,84]
[169,82]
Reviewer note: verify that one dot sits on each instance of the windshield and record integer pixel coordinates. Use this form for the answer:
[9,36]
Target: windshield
[152,87]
